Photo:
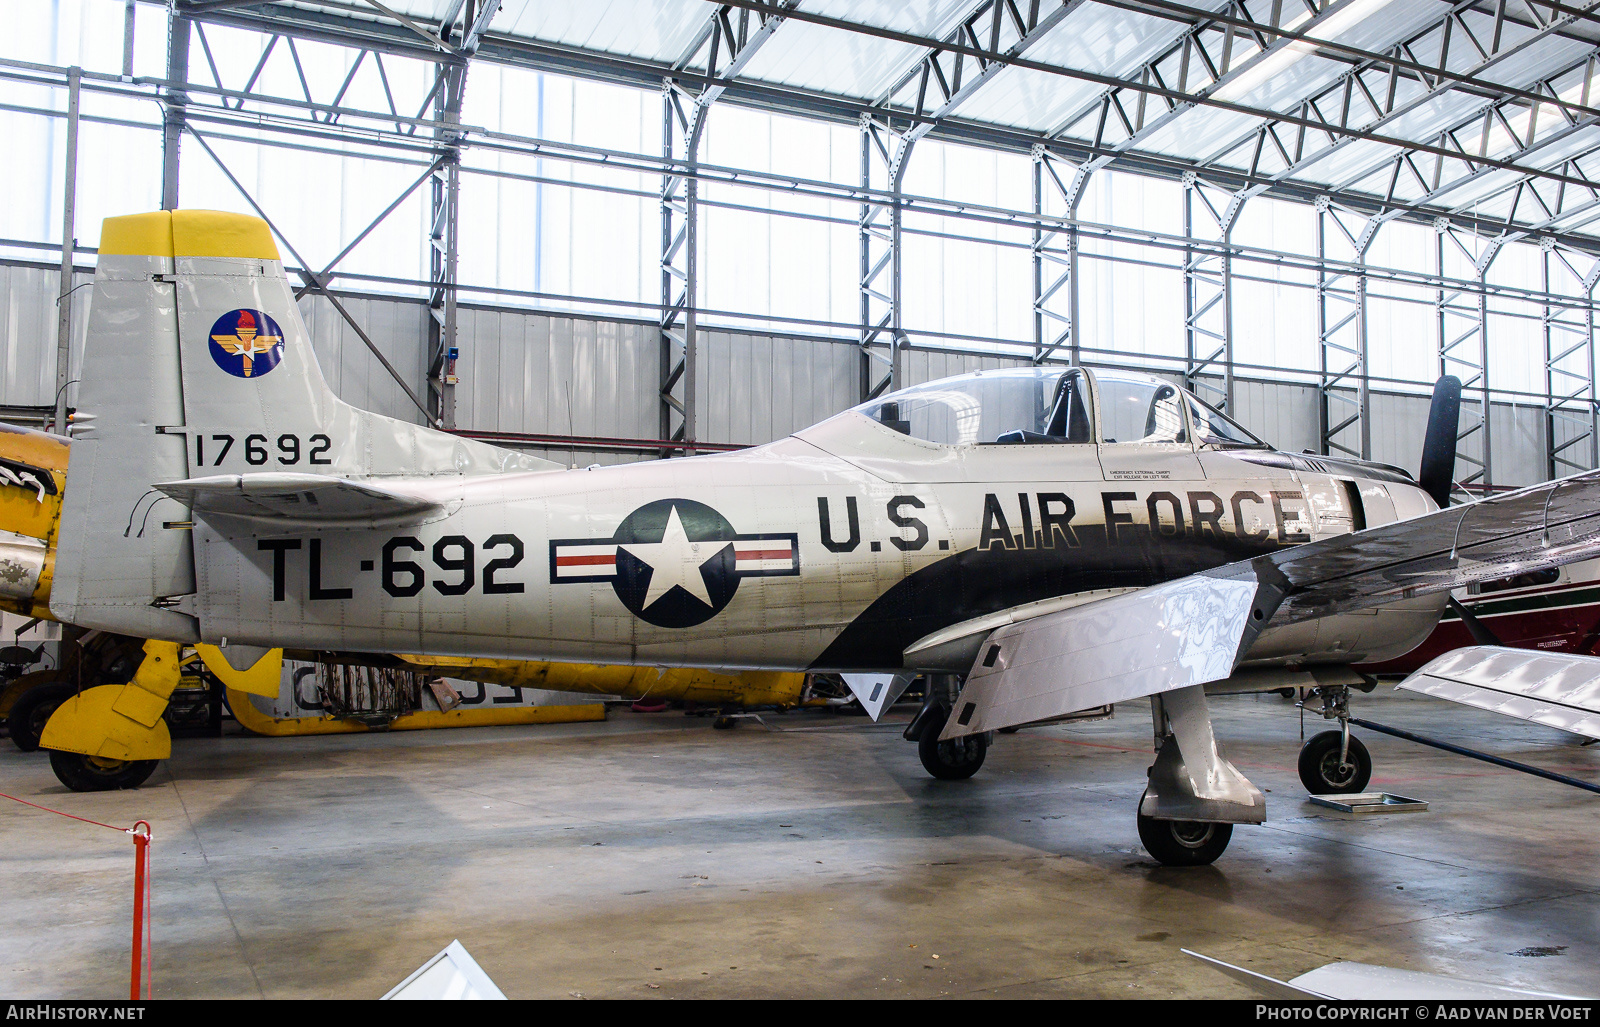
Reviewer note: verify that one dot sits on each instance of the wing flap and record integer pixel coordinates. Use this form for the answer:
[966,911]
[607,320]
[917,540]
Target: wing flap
[307,498]
[1558,690]
[1185,632]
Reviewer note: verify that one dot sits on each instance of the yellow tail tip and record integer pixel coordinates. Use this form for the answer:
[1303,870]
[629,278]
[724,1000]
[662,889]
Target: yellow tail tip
[188,233]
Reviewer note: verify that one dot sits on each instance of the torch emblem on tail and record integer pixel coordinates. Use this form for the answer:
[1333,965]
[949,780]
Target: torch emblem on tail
[246,343]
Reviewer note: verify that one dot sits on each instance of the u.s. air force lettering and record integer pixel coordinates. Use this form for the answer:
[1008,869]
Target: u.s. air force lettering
[674,562]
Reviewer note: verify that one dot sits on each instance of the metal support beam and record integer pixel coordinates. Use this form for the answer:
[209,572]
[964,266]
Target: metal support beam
[729,40]
[1055,258]
[173,99]
[1463,321]
[1344,407]
[128,20]
[880,235]
[1208,290]
[69,198]
[1569,368]
[444,217]
[681,129]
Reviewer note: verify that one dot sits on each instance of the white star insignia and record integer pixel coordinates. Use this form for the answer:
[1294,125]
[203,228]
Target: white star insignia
[675,562]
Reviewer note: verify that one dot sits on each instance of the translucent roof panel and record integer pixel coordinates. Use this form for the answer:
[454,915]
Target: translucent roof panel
[1091,38]
[834,71]
[655,29]
[854,64]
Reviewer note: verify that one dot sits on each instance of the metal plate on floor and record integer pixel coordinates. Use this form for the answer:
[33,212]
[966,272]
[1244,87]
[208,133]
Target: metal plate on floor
[1370,802]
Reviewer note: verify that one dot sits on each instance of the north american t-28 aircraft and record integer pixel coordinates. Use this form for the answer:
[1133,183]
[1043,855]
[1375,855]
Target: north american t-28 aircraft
[1038,542]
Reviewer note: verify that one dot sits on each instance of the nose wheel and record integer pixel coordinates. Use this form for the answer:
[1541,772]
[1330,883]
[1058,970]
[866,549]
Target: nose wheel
[1330,766]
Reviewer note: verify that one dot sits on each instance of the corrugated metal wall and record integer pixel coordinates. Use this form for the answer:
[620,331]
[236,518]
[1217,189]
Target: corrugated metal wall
[533,373]
[28,332]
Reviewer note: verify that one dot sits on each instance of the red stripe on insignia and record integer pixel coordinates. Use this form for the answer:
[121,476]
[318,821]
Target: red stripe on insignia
[586,561]
[765,554]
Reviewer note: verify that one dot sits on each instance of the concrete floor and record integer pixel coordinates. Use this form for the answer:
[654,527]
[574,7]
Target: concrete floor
[654,857]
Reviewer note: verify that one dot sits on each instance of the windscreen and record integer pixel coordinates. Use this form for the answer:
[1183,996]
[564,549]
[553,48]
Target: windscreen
[1214,428]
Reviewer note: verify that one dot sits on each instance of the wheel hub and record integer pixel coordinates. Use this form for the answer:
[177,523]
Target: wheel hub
[1191,834]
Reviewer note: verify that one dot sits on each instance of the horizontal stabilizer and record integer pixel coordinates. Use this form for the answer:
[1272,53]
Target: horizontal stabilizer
[310,498]
[1556,690]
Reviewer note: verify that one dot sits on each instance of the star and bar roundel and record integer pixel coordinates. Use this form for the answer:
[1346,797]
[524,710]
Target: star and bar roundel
[674,562]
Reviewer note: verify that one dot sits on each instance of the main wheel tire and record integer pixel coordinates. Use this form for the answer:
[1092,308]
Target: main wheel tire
[1321,771]
[725,723]
[954,760]
[31,712]
[1184,843]
[94,774]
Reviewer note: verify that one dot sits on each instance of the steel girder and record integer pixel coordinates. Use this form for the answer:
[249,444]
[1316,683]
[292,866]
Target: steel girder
[1056,284]
[450,83]
[1344,408]
[1463,321]
[728,41]
[1208,290]
[383,37]
[881,338]
[173,101]
[1572,442]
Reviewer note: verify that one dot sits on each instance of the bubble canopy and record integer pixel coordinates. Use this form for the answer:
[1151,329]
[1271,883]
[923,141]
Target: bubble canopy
[1031,405]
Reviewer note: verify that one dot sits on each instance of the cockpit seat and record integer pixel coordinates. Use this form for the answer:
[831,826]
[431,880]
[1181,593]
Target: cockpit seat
[1020,437]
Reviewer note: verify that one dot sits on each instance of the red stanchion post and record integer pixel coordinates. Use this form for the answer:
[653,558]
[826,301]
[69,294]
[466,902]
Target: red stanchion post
[140,984]
[141,891]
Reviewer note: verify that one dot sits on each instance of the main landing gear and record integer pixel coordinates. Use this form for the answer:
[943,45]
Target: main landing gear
[1194,797]
[953,760]
[1334,762]
[1183,843]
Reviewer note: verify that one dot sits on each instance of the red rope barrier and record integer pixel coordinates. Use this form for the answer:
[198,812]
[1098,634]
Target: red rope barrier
[140,981]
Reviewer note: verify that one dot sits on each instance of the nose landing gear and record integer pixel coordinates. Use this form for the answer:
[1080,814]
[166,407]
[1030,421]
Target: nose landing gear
[1334,762]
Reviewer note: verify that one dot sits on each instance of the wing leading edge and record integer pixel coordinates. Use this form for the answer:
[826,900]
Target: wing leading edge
[1195,630]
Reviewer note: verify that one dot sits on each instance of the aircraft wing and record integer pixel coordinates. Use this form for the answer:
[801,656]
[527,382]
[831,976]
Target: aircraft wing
[1557,690]
[1531,529]
[1194,630]
[307,498]
[1364,981]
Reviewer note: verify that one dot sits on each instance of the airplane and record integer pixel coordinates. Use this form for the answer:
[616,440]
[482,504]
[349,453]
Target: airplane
[33,468]
[1037,541]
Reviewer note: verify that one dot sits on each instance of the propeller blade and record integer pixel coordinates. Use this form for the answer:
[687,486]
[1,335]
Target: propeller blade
[1438,470]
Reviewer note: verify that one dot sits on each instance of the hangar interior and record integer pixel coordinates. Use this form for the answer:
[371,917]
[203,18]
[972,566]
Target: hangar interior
[630,230]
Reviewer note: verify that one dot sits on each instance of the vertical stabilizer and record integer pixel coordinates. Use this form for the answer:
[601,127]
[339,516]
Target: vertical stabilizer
[198,365]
